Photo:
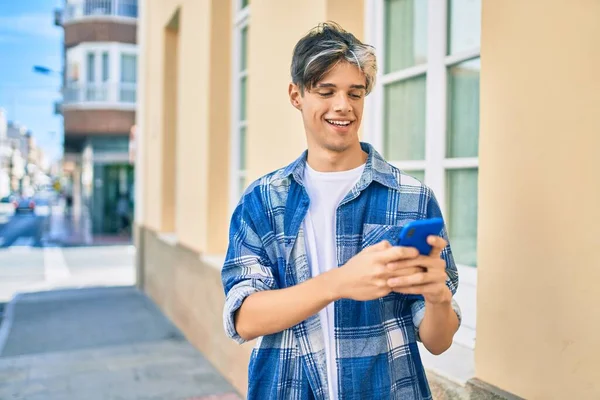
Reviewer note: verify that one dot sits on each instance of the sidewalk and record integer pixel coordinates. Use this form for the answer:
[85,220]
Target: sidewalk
[76,230]
[100,343]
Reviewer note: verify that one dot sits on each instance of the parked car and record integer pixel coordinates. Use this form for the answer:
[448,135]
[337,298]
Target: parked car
[7,208]
[25,205]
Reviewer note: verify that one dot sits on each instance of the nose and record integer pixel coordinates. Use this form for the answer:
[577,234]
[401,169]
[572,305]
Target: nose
[342,103]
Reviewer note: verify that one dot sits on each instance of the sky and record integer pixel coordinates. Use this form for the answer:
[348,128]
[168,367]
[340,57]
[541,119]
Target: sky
[29,37]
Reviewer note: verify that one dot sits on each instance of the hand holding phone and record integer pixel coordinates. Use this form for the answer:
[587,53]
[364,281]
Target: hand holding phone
[430,284]
[415,234]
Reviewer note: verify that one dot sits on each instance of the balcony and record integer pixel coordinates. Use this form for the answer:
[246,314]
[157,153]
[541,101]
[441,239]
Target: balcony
[76,11]
[119,96]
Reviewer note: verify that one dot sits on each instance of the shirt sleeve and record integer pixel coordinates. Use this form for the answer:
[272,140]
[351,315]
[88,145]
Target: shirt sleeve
[418,306]
[247,268]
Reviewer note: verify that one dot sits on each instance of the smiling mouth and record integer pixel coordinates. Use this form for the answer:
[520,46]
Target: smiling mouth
[339,123]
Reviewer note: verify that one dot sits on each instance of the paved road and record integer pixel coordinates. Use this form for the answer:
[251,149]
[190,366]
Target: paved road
[28,269]
[24,230]
[31,261]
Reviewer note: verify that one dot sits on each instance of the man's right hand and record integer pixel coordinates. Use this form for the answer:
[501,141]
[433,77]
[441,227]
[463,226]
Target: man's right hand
[364,276]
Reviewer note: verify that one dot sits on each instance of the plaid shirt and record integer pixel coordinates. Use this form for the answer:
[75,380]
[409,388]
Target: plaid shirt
[376,341]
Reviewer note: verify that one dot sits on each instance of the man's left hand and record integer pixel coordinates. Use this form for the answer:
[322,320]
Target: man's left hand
[431,282]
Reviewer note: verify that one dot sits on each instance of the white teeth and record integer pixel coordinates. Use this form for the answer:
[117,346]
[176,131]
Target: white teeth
[339,123]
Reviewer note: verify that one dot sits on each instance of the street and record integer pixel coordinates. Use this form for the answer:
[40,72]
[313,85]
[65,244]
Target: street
[23,230]
[31,258]
[28,269]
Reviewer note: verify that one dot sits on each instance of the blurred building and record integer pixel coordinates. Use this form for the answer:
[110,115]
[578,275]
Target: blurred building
[99,98]
[22,163]
[510,152]
[5,156]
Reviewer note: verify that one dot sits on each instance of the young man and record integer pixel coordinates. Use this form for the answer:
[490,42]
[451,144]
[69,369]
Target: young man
[310,270]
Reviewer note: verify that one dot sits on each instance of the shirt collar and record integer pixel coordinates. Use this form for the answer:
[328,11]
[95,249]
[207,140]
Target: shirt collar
[376,169]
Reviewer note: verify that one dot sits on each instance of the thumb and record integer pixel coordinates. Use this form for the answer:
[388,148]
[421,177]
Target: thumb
[384,244]
[438,245]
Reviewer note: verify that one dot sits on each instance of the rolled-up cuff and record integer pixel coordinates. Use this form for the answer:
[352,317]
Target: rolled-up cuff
[233,302]
[418,313]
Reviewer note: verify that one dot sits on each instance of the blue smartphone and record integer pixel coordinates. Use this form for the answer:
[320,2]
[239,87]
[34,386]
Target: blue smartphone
[415,233]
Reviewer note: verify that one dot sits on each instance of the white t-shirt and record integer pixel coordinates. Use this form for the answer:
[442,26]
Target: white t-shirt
[326,190]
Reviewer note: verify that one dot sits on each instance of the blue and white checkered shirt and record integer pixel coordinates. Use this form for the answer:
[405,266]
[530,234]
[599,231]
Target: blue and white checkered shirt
[376,341]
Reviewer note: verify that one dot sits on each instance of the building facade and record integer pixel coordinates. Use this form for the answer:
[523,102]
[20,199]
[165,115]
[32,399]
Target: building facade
[5,156]
[23,167]
[471,98]
[99,103]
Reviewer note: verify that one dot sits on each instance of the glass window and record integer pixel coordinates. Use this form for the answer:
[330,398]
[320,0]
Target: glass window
[463,109]
[91,67]
[420,175]
[404,124]
[128,78]
[464,25]
[244,49]
[128,8]
[105,66]
[243,94]
[97,7]
[128,68]
[461,187]
[242,148]
[405,34]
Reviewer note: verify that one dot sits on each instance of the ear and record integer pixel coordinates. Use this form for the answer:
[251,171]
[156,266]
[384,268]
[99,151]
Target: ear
[295,96]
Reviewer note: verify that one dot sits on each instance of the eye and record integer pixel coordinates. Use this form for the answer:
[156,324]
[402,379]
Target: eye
[325,94]
[356,95]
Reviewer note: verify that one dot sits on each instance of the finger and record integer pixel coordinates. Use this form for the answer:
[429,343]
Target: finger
[407,263]
[433,263]
[384,244]
[422,278]
[438,244]
[420,289]
[426,262]
[406,271]
[396,253]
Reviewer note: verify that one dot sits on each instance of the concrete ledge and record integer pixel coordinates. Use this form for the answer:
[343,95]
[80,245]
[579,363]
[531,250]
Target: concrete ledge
[7,321]
[168,238]
[215,261]
[482,390]
[187,287]
[475,389]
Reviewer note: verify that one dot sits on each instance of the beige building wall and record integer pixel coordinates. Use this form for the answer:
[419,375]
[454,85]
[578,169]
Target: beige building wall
[187,121]
[151,61]
[539,195]
[185,219]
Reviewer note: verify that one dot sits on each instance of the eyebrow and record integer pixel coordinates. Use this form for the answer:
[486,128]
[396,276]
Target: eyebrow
[331,85]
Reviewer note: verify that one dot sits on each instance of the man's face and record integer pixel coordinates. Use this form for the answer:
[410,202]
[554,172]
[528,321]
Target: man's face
[332,110]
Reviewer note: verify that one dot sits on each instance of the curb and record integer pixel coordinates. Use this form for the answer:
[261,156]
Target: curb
[7,321]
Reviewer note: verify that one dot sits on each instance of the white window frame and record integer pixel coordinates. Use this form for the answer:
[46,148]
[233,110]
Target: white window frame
[78,55]
[241,20]
[435,164]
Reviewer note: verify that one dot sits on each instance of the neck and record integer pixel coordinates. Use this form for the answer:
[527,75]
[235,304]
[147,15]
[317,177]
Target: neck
[324,160]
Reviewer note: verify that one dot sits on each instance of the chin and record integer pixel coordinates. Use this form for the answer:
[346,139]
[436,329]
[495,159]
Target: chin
[339,146]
